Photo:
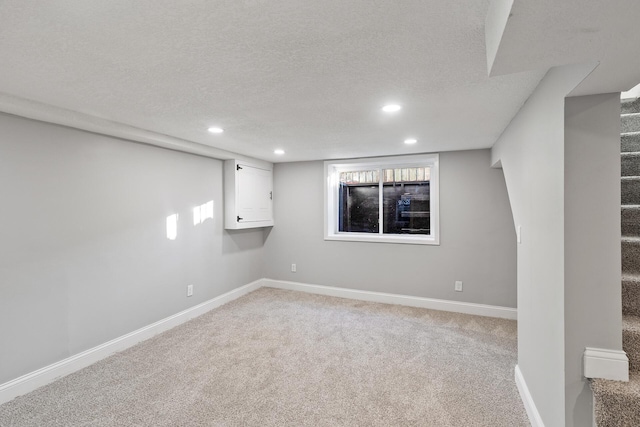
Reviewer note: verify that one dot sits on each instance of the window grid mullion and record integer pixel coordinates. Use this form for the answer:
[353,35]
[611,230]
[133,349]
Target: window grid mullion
[380,202]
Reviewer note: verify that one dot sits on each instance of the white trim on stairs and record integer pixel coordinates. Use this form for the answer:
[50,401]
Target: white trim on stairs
[606,364]
[529,405]
[382,297]
[48,374]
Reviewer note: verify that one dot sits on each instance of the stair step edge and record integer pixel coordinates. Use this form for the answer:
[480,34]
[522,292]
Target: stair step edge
[631,388]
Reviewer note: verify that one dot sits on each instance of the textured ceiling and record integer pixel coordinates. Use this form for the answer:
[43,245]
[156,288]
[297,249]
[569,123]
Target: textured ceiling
[570,32]
[306,76]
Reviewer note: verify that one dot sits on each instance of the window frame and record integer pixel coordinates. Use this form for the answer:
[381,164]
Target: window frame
[332,169]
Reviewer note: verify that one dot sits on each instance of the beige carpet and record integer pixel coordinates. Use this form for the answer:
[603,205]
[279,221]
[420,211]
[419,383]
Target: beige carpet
[278,357]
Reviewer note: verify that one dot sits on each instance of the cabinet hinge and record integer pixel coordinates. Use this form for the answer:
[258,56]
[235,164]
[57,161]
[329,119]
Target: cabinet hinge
[270,195]
[239,219]
[238,167]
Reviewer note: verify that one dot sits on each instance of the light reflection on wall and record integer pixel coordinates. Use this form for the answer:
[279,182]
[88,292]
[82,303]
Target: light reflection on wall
[203,212]
[172,227]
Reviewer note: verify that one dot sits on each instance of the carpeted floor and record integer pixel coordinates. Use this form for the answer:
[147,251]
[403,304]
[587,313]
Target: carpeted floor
[277,357]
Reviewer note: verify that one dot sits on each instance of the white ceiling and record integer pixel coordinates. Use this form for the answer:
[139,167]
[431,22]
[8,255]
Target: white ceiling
[306,76]
[574,31]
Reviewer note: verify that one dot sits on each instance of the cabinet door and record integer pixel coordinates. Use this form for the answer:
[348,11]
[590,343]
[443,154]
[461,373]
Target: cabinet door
[254,194]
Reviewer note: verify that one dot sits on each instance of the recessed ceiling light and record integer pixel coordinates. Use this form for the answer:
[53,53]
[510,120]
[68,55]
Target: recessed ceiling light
[278,152]
[410,141]
[391,108]
[215,130]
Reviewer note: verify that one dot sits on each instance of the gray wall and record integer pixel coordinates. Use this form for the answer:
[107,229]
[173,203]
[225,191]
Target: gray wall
[531,151]
[592,293]
[477,238]
[84,256]
[532,154]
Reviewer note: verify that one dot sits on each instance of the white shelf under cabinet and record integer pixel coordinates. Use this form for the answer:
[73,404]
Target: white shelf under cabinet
[248,195]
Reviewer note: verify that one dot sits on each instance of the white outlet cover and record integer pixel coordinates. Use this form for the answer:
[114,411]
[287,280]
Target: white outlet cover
[189,290]
[458,286]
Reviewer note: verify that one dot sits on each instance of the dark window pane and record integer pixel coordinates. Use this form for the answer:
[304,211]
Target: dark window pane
[358,208]
[407,206]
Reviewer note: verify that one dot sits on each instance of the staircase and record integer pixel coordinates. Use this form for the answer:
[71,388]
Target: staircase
[618,403]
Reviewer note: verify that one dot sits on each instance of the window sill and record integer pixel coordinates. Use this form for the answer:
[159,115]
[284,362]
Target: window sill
[377,238]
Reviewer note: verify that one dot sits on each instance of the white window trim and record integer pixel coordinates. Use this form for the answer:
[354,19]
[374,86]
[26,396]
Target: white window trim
[332,169]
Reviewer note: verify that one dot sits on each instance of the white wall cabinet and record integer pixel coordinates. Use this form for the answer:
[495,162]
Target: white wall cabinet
[248,192]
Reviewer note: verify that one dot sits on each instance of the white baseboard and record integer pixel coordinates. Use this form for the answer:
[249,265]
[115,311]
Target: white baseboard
[606,364]
[529,404]
[434,304]
[48,374]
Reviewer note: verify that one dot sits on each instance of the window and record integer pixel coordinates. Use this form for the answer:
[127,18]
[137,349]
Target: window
[388,199]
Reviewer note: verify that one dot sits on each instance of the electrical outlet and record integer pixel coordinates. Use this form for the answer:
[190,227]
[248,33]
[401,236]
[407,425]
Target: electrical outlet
[189,290]
[293,268]
[458,286]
